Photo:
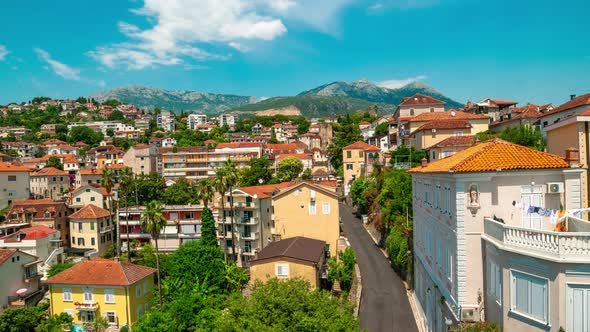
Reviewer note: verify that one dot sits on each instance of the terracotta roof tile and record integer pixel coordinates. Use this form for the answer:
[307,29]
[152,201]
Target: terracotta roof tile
[5,254]
[101,271]
[448,115]
[300,248]
[280,146]
[491,156]
[90,211]
[4,167]
[467,140]
[238,145]
[360,145]
[33,233]
[420,99]
[576,102]
[503,102]
[50,171]
[444,124]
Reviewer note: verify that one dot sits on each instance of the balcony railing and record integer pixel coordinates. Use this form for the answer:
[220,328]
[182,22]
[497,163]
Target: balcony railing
[83,306]
[25,300]
[555,246]
[248,221]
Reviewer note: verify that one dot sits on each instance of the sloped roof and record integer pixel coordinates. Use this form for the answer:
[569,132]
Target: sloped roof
[33,233]
[444,124]
[101,271]
[360,145]
[5,254]
[493,155]
[294,155]
[576,102]
[264,191]
[238,145]
[5,167]
[50,171]
[448,115]
[503,102]
[300,248]
[467,140]
[281,146]
[420,99]
[90,211]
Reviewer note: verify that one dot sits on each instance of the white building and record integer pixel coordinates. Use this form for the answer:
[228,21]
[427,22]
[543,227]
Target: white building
[196,119]
[18,272]
[485,247]
[15,183]
[103,126]
[166,121]
[227,119]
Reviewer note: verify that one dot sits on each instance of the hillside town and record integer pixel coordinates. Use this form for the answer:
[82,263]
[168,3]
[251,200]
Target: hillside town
[115,215]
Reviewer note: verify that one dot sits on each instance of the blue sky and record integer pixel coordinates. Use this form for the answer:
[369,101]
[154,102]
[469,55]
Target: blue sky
[530,51]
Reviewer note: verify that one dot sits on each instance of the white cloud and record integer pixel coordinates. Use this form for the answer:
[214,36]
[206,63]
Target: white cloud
[59,68]
[395,84]
[3,52]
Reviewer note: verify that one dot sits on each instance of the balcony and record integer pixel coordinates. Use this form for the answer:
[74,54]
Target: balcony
[86,306]
[25,300]
[135,236]
[107,229]
[249,221]
[249,236]
[567,247]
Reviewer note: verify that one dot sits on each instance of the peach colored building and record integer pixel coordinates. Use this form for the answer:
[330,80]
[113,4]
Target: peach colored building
[358,159]
[409,108]
[485,247]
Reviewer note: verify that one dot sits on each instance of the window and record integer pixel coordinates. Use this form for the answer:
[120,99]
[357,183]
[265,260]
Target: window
[92,199]
[12,178]
[92,226]
[312,209]
[92,241]
[458,133]
[361,154]
[73,240]
[111,317]
[326,208]
[138,291]
[411,111]
[139,310]
[88,296]
[431,109]
[349,166]
[81,241]
[348,154]
[146,307]
[78,199]
[109,296]
[529,296]
[67,294]
[494,280]
[79,226]
[282,270]
[145,287]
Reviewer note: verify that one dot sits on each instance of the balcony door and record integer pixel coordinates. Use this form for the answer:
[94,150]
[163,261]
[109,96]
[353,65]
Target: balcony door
[532,196]
[578,308]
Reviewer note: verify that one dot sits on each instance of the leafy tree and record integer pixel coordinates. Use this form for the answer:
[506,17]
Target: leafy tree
[56,323]
[116,115]
[343,269]
[405,153]
[208,231]
[205,191]
[99,324]
[122,143]
[107,180]
[39,100]
[306,176]
[54,162]
[346,132]
[58,268]
[526,135]
[112,103]
[221,185]
[152,221]
[230,171]
[84,134]
[127,179]
[289,168]
[181,192]
[110,132]
[287,306]
[21,320]
[147,187]
[382,129]
[259,169]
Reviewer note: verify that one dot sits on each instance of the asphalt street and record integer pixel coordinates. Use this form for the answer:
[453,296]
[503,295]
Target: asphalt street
[384,303]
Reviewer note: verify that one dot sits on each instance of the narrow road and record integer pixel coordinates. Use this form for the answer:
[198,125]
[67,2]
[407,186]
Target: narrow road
[384,303]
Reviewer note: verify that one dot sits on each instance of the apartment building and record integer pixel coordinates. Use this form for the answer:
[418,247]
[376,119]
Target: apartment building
[88,176]
[89,194]
[84,293]
[489,243]
[183,225]
[39,212]
[50,182]
[92,229]
[408,108]
[25,150]
[196,119]
[574,106]
[141,159]
[14,183]
[19,280]
[227,119]
[358,160]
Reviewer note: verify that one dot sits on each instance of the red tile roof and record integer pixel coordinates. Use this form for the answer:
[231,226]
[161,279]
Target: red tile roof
[467,140]
[444,124]
[264,191]
[503,102]
[50,171]
[576,102]
[33,233]
[5,254]
[360,145]
[300,248]
[4,167]
[90,211]
[238,145]
[448,115]
[89,172]
[102,272]
[492,156]
[280,146]
[420,99]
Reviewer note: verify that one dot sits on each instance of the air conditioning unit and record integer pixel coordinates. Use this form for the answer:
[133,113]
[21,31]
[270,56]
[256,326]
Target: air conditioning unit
[433,130]
[554,187]
[469,315]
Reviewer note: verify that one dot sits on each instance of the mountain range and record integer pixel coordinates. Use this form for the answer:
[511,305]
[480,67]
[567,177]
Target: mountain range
[326,100]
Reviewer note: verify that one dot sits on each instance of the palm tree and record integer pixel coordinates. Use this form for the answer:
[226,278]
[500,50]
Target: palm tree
[220,184]
[231,175]
[125,185]
[152,221]
[107,181]
[205,191]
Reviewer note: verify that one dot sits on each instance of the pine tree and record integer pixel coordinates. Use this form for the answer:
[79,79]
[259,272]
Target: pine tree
[208,231]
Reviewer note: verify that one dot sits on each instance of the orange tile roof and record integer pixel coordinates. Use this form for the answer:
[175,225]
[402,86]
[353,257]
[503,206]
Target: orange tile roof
[360,145]
[50,171]
[264,191]
[576,102]
[89,172]
[281,146]
[493,155]
[90,211]
[445,124]
[238,145]
[101,271]
[5,167]
[420,99]
[295,155]
[503,102]
[467,140]
[448,115]
[5,254]
[33,233]
[94,185]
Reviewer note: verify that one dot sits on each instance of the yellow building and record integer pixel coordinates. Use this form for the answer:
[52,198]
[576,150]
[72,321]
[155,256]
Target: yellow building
[120,292]
[309,210]
[296,257]
[92,228]
[358,159]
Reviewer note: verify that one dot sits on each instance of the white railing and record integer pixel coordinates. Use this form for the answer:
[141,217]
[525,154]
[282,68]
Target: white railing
[53,254]
[557,246]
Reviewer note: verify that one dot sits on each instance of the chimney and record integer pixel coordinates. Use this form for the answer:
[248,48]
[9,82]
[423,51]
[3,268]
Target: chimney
[424,162]
[572,97]
[572,157]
